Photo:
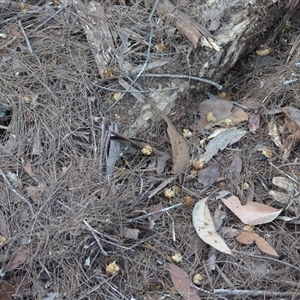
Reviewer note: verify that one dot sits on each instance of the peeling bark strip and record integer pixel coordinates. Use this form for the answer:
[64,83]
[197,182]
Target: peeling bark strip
[191,29]
[97,30]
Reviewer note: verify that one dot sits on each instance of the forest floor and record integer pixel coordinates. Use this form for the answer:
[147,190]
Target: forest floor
[80,186]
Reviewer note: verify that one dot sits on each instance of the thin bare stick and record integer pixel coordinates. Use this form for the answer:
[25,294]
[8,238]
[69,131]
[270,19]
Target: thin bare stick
[95,237]
[51,17]
[219,87]
[16,192]
[3,127]
[161,186]
[154,212]
[268,258]
[283,173]
[253,293]
[25,36]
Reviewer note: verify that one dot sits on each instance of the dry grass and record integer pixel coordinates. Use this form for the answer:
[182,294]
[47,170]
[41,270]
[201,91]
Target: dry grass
[55,131]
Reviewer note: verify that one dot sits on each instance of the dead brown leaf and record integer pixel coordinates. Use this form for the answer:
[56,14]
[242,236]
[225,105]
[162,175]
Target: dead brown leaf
[27,168]
[210,174]
[180,148]
[154,208]
[252,213]
[254,121]
[224,112]
[235,168]
[248,238]
[15,32]
[219,216]
[17,259]
[182,283]
[8,288]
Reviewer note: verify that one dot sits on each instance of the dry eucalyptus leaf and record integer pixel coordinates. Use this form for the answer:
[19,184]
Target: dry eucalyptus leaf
[254,121]
[252,213]
[284,183]
[219,216]
[27,168]
[180,148]
[235,168]
[18,258]
[182,283]
[221,109]
[273,133]
[248,238]
[205,228]
[228,232]
[221,141]
[210,174]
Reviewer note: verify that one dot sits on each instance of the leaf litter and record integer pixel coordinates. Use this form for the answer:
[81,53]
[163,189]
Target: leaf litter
[205,228]
[91,18]
[182,283]
[248,238]
[253,213]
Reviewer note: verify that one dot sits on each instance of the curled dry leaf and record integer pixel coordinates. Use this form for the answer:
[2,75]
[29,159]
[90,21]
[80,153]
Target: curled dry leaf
[273,133]
[252,213]
[205,228]
[182,283]
[248,238]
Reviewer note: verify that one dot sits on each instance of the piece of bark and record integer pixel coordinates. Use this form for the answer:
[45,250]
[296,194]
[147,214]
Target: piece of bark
[190,28]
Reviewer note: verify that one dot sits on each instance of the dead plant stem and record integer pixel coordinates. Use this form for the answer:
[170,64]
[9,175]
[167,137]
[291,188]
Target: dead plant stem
[25,36]
[283,173]
[154,212]
[51,17]
[16,192]
[219,87]
[95,237]
[267,258]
